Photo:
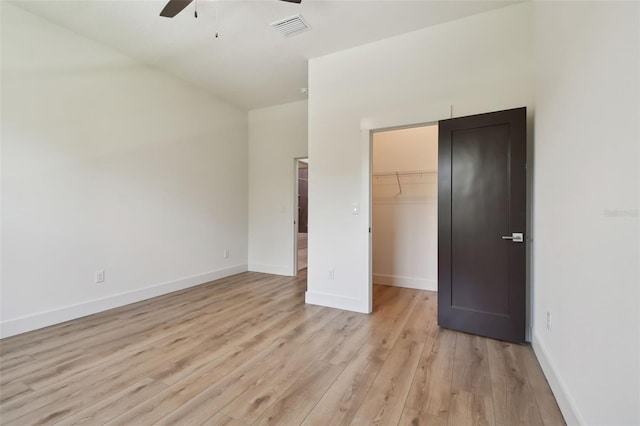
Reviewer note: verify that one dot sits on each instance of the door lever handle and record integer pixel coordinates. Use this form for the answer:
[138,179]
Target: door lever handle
[516,237]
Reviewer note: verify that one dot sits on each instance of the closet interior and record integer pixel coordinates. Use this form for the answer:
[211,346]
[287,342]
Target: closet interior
[404,207]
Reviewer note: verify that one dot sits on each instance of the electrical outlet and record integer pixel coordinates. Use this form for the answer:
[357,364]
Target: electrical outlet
[226,253]
[549,321]
[331,274]
[100,276]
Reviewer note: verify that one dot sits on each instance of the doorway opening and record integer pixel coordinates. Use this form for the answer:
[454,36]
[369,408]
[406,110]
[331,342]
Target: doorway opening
[404,208]
[302,208]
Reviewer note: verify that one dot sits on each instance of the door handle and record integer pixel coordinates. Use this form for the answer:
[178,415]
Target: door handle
[516,237]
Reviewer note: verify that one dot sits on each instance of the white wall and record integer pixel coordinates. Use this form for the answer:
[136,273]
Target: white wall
[277,135]
[477,64]
[405,225]
[586,256]
[107,164]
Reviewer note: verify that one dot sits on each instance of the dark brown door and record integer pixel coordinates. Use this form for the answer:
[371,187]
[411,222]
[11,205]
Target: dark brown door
[481,216]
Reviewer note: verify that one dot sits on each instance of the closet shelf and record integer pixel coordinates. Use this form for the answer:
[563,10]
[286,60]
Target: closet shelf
[396,175]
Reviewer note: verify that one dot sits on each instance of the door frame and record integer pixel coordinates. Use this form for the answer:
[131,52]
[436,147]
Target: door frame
[369,191]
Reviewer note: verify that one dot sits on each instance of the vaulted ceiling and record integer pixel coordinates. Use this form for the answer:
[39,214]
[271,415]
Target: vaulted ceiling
[249,64]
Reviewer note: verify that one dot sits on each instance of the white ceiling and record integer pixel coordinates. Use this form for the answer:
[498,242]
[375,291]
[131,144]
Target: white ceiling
[250,64]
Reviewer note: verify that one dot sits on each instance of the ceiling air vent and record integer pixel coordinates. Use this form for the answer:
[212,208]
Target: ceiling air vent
[291,26]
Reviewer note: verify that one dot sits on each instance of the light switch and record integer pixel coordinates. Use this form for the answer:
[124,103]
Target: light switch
[355,209]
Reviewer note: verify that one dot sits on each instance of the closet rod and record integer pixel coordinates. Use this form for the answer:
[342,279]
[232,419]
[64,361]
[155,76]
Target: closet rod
[417,172]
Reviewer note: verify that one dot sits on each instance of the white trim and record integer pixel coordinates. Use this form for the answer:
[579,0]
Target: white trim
[565,402]
[336,301]
[407,282]
[271,269]
[44,319]
[367,190]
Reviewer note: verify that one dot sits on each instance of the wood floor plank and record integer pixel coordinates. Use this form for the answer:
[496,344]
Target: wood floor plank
[29,369]
[303,331]
[430,391]
[412,417]
[381,296]
[298,400]
[107,378]
[231,317]
[385,400]
[222,419]
[75,330]
[348,344]
[295,320]
[249,405]
[13,390]
[547,405]
[167,308]
[340,403]
[78,392]
[471,409]
[124,365]
[197,407]
[513,398]
[471,365]
[247,350]
[119,402]
[176,396]
[13,360]
[195,362]
[388,324]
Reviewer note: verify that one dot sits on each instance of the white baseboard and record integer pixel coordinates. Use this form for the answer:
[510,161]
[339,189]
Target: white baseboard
[407,282]
[270,269]
[565,402]
[338,302]
[44,319]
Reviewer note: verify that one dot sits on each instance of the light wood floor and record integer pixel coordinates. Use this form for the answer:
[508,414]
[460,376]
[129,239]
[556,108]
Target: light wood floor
[247,350]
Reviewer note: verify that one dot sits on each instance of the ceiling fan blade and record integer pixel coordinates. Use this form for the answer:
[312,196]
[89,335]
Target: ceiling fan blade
[174,7]
[293,1]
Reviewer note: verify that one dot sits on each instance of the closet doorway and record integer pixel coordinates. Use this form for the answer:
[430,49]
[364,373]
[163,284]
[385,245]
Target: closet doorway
[302,208]
[404,207]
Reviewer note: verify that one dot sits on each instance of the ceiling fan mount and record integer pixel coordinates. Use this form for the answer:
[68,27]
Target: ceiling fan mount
[173,7]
